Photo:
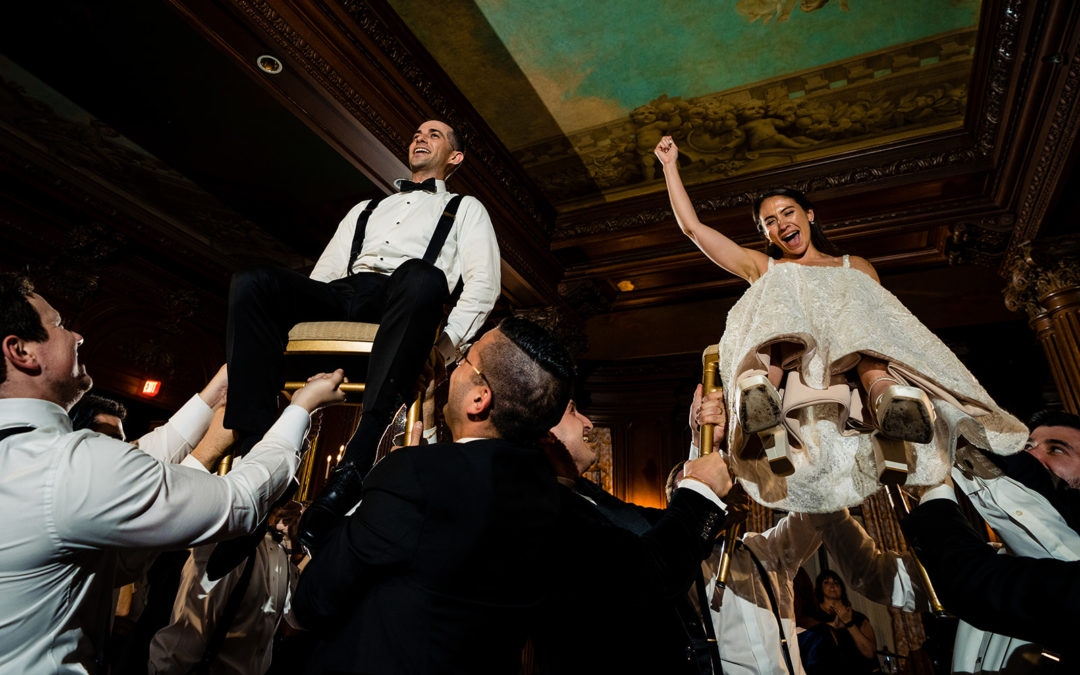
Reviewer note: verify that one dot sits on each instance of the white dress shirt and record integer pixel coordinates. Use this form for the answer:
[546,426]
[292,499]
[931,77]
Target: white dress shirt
[745,626]
[400,229]
[248,646]
[75,500]
[1029,526]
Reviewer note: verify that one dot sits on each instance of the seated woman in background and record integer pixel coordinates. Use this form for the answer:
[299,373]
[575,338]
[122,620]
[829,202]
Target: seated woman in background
[843,642]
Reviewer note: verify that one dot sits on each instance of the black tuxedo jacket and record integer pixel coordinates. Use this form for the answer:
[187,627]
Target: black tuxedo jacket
[613,608]
[1029,598]
[441,565]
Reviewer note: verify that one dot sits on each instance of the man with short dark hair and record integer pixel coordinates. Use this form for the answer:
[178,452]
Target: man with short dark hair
[75,500]
[100,414]
[1055,442]
[393,261]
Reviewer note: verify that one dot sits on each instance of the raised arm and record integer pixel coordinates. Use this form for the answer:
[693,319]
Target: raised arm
[108,494]
[738,260]
[880,575]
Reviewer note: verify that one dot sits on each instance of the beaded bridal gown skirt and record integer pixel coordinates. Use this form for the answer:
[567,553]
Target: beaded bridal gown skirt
[819,320]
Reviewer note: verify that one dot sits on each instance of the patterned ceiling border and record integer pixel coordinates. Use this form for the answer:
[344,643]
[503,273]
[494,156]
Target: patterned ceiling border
[987,129]
[263,15]
[1053,157]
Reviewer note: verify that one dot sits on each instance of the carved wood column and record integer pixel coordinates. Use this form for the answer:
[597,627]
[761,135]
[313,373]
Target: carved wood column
[1044,281]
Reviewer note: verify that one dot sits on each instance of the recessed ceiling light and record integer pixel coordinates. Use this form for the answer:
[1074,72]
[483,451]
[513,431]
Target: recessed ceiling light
[625,285]
[269,64]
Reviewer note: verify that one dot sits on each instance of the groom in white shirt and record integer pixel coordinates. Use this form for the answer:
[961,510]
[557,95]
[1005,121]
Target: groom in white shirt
[393,261]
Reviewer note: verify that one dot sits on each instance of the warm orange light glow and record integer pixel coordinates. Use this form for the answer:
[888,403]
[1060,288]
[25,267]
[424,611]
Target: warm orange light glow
[151,388]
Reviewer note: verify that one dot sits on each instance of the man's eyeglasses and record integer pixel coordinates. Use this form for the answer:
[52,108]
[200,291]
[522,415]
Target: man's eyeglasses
[463,357]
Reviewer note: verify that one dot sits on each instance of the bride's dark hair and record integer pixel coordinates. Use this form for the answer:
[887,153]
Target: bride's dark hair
[817,235]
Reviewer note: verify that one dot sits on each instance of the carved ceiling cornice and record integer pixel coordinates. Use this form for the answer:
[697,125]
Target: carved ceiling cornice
[1053,156]
[1001,60]
[862,175]
[264,15]
[982,241]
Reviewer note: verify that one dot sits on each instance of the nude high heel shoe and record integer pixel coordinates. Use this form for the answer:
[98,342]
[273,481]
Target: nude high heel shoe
[757,403]
[904,413]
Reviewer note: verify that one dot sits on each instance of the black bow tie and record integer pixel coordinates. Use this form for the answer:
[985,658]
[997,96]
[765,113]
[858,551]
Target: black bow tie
[428,186]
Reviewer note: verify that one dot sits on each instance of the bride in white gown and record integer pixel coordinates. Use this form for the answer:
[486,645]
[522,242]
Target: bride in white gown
[814,333]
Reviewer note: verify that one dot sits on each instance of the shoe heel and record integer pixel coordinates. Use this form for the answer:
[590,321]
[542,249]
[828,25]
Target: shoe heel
[777,450]
[758,404]
[905,414]
[892,459]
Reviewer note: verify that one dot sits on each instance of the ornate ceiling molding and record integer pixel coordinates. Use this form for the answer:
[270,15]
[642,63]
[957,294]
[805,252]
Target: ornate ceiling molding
[846,106]
[973,150]
[980,242]
[262,14]
[1053,157]
[1000,70]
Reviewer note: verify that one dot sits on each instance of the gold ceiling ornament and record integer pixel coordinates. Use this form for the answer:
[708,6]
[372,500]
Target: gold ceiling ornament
[1036,271]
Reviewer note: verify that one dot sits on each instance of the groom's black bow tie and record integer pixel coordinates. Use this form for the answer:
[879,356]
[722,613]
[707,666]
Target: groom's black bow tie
[428,185]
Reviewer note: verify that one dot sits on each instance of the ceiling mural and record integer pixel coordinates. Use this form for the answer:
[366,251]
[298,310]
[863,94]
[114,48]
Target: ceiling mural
[581,93]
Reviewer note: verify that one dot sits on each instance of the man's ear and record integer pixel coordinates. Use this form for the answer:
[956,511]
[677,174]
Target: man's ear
[479,402]
[17,353]
[456,158]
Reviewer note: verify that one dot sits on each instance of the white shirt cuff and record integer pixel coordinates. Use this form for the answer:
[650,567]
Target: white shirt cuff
[694,485]
[939,492]
[292,425]
[694,452]
[431,435]
[192,420]
[193,463]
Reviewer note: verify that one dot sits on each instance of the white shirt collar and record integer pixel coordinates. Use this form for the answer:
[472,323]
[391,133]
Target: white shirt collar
[34,412]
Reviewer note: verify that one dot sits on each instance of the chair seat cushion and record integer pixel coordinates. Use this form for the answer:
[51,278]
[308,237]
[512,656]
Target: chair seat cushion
[351,331]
